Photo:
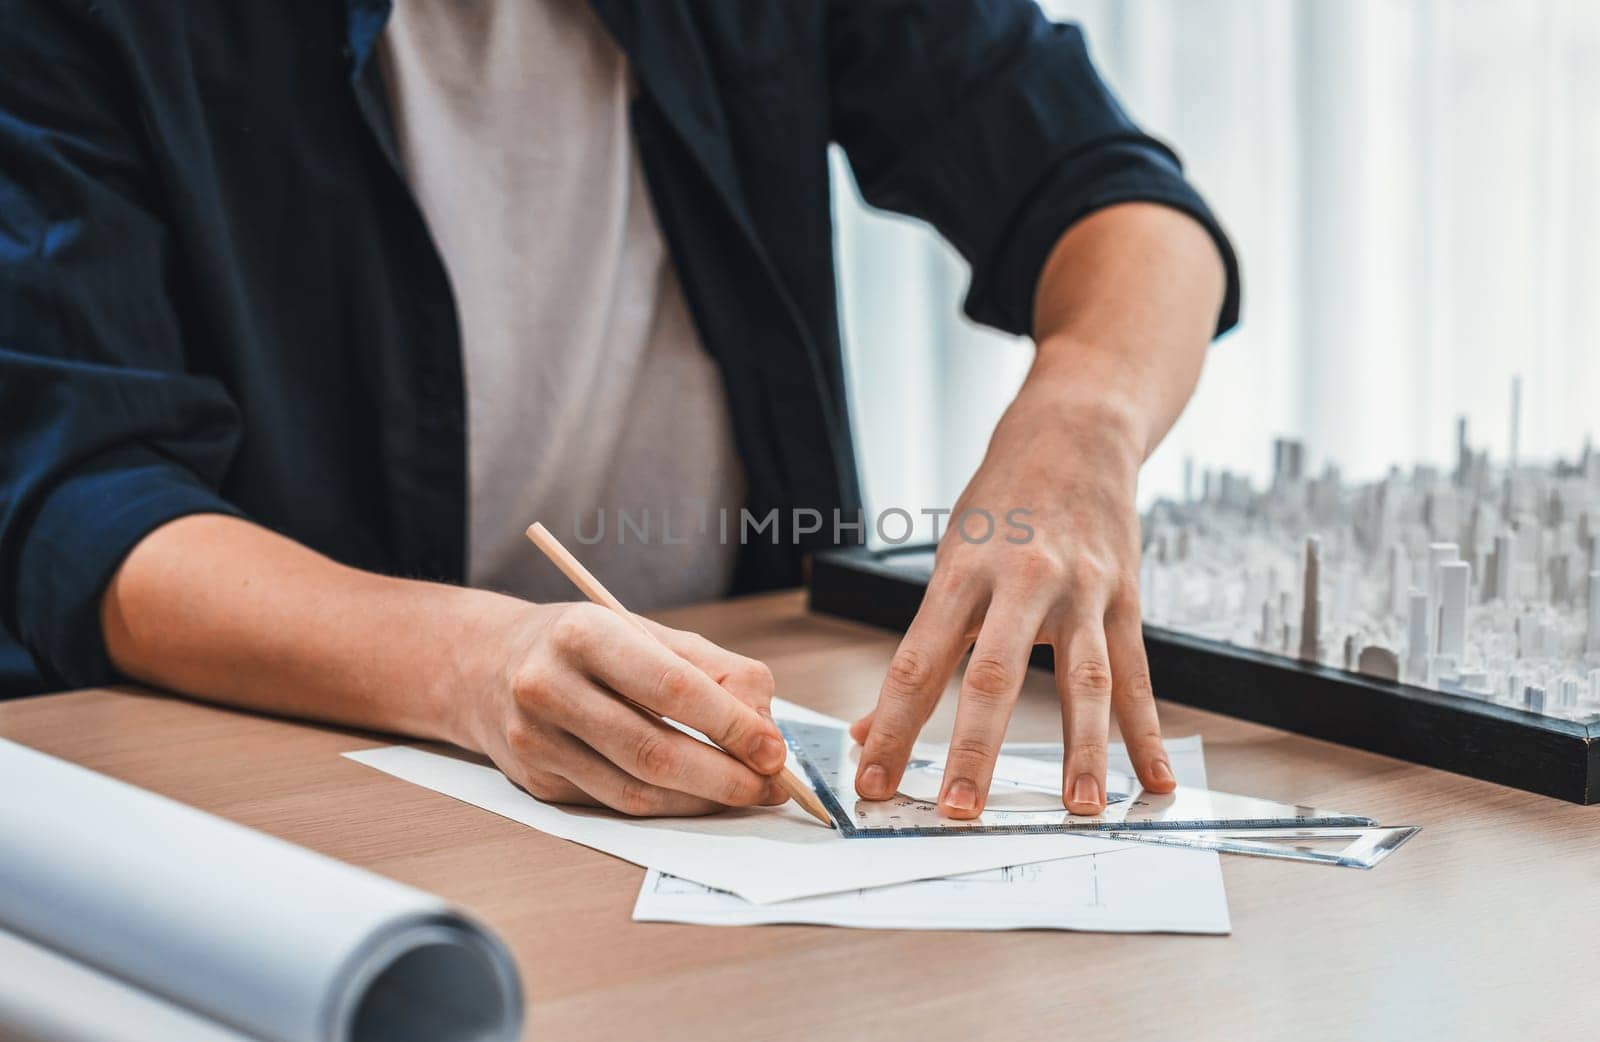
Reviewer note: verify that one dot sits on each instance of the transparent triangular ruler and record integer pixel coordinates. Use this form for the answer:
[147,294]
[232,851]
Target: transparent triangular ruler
[1345,848]
[1025,797]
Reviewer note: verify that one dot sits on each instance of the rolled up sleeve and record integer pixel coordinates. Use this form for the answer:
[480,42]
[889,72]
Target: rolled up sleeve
[989,122]
[106,435]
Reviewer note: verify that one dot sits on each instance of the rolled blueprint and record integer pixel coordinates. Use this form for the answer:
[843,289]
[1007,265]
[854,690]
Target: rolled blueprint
[47,997]
[267,939]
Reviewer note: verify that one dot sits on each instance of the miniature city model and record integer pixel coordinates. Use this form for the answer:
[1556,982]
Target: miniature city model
[1480,581]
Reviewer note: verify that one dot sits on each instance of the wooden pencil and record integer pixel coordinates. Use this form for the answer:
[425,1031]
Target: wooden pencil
[593,589]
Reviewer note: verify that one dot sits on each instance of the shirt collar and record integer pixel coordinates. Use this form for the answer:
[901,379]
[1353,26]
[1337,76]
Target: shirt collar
[364,22]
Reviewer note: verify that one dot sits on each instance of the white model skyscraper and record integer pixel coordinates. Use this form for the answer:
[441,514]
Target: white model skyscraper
[1311,603]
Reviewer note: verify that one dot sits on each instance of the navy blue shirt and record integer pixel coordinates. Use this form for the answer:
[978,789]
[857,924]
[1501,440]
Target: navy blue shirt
[217,293]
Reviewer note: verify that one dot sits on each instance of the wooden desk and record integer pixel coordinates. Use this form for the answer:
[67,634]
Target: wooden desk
[1487,925]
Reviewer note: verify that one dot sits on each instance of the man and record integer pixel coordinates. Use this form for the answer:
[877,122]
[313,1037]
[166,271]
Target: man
[308,308]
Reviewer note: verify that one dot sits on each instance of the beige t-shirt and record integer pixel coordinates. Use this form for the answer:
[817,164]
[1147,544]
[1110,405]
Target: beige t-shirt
[588,391]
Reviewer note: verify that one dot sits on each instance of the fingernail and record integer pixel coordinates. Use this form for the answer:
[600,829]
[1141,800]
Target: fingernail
[767,753]
[874,782]
[961,795]
[1161,771]
[1086,791]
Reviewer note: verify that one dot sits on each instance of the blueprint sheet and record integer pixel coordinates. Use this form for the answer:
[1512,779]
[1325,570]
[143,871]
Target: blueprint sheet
[1134,888]
[763,854]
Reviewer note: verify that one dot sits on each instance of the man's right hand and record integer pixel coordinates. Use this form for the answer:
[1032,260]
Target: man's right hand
[562,697]
[557,718]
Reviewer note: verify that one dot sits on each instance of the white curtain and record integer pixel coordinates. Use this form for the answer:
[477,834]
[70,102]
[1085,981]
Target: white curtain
[1413,187]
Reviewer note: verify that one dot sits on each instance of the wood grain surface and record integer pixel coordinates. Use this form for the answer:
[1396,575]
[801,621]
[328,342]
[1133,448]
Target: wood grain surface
[1487,925]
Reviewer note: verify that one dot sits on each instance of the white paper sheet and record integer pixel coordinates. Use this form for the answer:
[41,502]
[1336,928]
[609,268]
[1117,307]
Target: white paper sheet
[1134,889]
[1138,889]
[763,854]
